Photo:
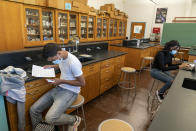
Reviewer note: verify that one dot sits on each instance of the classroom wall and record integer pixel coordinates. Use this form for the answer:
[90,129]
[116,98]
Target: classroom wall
[144,11]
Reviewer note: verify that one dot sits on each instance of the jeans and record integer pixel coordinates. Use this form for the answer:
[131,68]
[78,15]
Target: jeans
[60,100]
[165,77]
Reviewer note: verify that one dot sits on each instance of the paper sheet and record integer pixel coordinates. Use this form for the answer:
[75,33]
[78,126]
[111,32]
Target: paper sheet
[38,71]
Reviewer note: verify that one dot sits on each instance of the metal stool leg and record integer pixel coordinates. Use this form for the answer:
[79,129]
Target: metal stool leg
[141,68]
[84,118]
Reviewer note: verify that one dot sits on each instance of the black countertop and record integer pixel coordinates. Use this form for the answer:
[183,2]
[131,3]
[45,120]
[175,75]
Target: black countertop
[97,57]
[141,46]
[178,110]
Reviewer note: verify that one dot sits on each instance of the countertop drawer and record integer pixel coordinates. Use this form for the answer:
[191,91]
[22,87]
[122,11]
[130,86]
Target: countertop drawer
[90,69]
[36,83]
[107,63]
[107,74]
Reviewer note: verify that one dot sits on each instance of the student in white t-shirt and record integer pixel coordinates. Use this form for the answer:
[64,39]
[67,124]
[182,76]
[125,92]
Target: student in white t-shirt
[59,99]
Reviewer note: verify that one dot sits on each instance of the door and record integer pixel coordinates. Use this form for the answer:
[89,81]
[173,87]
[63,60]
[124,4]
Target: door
[137,30]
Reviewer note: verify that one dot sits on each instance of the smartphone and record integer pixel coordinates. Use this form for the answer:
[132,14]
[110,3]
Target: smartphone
[50,80]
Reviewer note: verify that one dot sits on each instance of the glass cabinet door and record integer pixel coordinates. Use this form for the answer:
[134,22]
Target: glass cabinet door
[120,28]
[115,28]
[72,25]
[83,27]
[33,24]
[47,25]
[99,27]
[104,28]
[62,26]
[123,29]
[91,27]
[111,28]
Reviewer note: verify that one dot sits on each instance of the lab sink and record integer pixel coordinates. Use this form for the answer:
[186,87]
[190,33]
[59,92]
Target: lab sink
[85,59]
[189,84]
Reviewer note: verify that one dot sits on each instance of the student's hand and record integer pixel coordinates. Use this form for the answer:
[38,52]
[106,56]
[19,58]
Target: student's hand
[48,66]
[184,65]
[57,82]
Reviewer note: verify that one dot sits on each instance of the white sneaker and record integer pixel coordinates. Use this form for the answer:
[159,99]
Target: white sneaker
[159,96]
[74,127]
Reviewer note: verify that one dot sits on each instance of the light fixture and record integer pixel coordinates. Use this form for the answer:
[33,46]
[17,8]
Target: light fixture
[154,2]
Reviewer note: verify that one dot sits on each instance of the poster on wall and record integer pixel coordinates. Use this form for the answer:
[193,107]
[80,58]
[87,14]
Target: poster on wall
[137,29]
[161,15]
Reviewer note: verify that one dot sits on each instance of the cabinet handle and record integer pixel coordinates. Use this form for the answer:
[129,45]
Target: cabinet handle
[107,79]
[107,65]
[107,71]
[28,86]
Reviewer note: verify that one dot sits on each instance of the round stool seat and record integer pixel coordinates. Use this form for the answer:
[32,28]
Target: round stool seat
[149,58]
[182,53]
[115,125]
[78,102]
[128,69]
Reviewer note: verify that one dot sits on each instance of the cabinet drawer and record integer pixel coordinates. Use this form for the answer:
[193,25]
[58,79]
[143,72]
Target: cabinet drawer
[106,63]
[106,86]
[36,83]
[107,74]
[90,69]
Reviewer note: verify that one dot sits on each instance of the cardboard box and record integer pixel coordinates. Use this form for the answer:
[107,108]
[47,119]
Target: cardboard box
[61,4]
[92,9]
[52,3]
[33,2]
[111,5]
[42,2]
[105,8]
[76,4]
[21,1]
[92,13]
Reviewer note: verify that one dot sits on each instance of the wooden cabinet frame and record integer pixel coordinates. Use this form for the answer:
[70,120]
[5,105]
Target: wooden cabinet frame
[96,38]
[94,28]
[105,38]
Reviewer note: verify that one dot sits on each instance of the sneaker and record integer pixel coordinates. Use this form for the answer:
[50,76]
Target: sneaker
[159,96]
[74,127]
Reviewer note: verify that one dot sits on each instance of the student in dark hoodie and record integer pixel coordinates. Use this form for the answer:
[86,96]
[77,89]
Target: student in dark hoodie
[163,64]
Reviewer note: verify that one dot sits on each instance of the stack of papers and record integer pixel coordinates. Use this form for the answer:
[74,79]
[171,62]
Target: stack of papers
[38,71]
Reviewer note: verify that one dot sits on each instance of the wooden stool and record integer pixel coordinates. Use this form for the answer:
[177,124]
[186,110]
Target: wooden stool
[147,58]
[77,104]
[181,54]
[115,125]
[176,60]
[126,81]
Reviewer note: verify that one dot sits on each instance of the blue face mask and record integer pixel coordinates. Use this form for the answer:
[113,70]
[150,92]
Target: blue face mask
[58,61]
[173,52]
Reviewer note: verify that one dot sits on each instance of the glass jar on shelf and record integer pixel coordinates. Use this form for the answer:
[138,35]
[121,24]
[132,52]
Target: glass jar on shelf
[91,27]
[47,25]
[104,27]
[111,28]
[115,28]
[83,27]
[32,24]
[72,25]
[62,26]
[99,27]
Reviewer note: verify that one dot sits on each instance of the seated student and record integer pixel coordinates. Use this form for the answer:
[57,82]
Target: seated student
[60,98]
[163,64]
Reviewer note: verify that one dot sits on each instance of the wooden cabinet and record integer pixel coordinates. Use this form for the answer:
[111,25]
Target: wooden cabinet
[39,26]
[61,26]
[99,30]
[111,28]
[73,25]
[115,34]
[107,72]
[11,33]
[91,28]
[92,78]
[118,64]
[83,27]
[124,29]
[191,58]
[33,30]
[120,31]
[48,25]
[105,29]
